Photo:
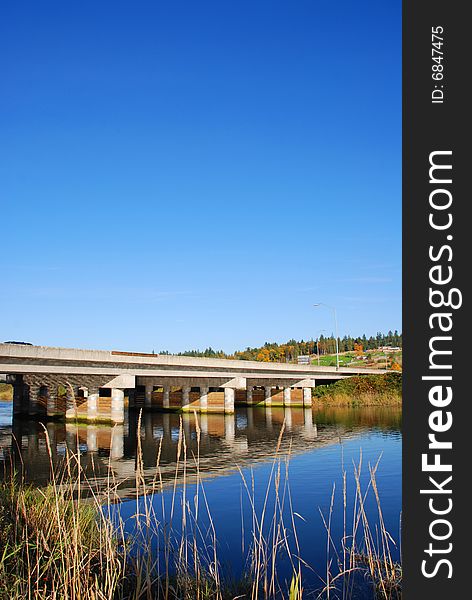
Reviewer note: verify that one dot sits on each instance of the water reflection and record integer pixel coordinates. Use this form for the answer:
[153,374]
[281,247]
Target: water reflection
[247,437]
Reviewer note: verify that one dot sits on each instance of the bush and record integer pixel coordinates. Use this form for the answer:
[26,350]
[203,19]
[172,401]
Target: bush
[363,387]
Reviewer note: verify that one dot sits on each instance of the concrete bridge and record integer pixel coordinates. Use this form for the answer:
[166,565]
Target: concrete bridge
[97,385]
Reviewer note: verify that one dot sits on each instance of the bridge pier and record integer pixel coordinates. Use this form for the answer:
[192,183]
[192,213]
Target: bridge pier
[166,397]
[92,404]
[204,398]
[52,409]
[117,406]
[186,397]
[19,407]
[249,397]
[307,396]
[229,400]
[148,396]
[287,396]
[268,395]
[33,400]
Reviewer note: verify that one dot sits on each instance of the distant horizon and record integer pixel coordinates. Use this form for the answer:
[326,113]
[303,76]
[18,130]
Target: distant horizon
[207,347]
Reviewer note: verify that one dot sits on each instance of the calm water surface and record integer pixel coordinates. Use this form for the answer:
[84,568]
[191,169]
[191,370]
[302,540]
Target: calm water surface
[319,444]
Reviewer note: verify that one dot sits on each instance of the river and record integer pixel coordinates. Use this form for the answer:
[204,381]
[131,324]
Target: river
[237,462]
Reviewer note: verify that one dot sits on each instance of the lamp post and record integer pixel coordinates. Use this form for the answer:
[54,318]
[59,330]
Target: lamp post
[336,329]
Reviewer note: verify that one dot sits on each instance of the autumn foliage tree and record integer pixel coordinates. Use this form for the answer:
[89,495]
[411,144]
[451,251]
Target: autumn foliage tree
[358,349]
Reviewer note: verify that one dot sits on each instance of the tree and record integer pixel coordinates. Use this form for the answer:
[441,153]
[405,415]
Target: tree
[263,355]
[358,349]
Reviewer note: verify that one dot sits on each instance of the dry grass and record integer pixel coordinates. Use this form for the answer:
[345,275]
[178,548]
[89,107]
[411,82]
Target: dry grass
[340,399]
[68,541]
[367,390]
[6,392]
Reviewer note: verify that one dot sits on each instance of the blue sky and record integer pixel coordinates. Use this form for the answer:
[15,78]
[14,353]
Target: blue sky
[175,175]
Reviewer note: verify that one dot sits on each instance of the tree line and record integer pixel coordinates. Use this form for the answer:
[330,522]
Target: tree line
[291,350]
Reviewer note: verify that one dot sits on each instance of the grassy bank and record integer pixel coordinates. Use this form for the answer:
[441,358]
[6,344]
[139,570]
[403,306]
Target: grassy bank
[366,390]
[66,541]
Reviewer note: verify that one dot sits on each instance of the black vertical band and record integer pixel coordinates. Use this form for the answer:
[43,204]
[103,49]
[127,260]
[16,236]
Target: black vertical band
[436,245]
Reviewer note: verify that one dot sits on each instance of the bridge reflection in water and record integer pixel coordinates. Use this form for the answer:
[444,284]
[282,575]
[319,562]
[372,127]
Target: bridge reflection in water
[243,438]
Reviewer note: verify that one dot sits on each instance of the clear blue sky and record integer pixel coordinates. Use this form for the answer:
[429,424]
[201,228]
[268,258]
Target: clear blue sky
[175,175]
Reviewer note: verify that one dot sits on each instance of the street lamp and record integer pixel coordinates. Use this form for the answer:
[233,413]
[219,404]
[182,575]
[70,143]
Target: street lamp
[336,328]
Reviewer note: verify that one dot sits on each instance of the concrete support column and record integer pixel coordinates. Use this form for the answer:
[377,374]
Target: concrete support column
[117,405]
[92,405]
[307,396]
[204,398]
[268,394]
[229,400]
[71,394]
[249,399]
[287,396]
[132,398]
[51,402]
[148,396]
[185,396]
[33,408]
[166,397]
[18,398]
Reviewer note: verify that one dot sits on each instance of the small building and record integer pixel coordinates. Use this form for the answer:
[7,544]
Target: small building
[303,359]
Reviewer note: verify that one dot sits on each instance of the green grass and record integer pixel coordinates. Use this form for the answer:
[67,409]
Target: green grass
[329,360]
[373,359]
